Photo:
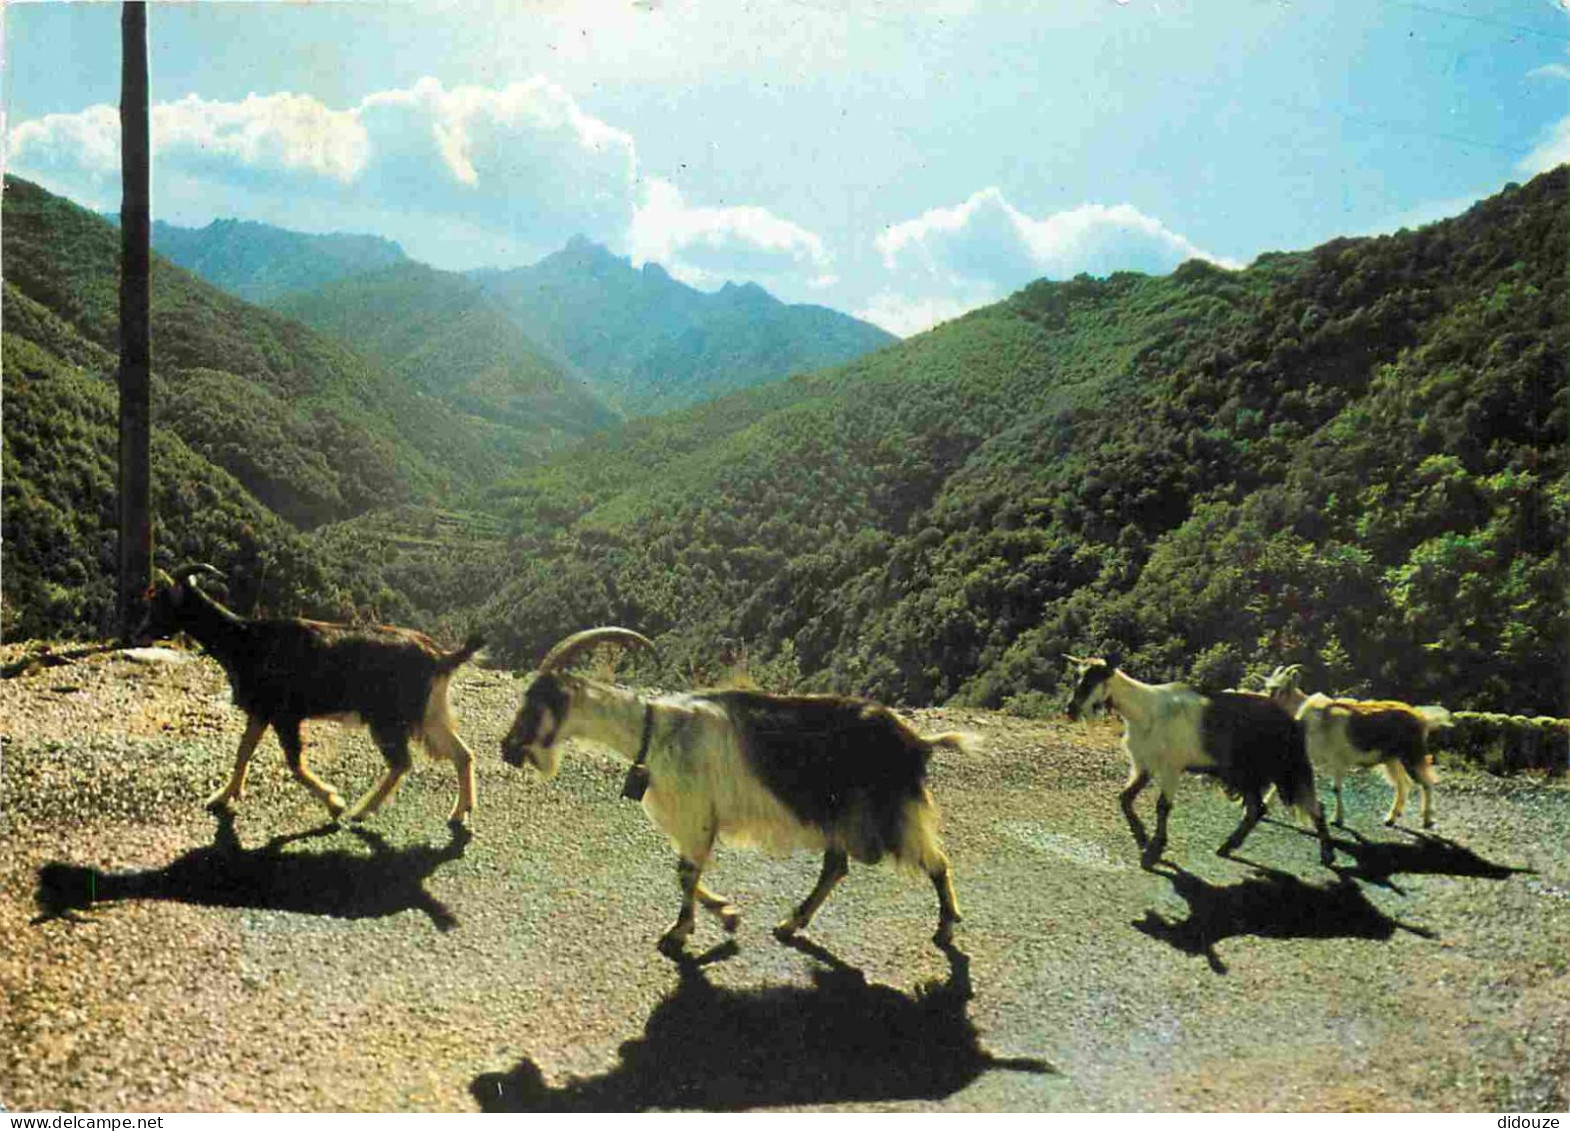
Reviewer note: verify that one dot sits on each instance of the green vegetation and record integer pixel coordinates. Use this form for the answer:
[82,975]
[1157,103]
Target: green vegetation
[383,441]
[443,334]
[257,421]
[61,514]
[1352,458]
[648,344]
[259,262]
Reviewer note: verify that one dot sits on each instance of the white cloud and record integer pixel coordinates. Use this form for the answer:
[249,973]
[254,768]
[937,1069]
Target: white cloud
[987,239]
[950,260]
[82,149]
[703,246]
[293,133]
[460,176]
[906,315]
[1554,149]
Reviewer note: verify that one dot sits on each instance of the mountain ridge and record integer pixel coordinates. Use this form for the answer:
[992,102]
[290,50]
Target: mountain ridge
[259,262]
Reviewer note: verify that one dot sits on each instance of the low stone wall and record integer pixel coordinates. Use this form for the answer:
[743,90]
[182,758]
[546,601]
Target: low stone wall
[1503,744]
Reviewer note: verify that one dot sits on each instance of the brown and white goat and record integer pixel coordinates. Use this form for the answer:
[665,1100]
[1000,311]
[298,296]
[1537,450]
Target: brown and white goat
[1347,734]
[843,776]
[283,671]
[1243,739]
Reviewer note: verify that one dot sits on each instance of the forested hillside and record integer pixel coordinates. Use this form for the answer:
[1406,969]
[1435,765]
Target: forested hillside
[245,385]
[445,334]
[1354,458]
[649,344]
[261,426]
[61,516]
[259,262]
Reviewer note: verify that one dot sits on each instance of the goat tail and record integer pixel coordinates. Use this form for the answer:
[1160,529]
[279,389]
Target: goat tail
[452,661]
[960,741]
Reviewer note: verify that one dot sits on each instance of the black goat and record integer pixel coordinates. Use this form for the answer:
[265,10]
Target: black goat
[283,671]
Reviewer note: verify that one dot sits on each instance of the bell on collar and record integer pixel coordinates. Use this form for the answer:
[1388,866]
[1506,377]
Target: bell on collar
[637,782]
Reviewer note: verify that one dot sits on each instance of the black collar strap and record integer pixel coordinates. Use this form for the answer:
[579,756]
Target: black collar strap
[638,773]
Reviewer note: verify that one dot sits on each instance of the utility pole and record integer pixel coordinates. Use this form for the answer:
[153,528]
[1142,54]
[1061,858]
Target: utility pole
[136,523]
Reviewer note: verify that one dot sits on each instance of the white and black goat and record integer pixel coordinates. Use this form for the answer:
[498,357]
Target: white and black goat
[781,772]
[1347,734]
[283,671]
[1245,740]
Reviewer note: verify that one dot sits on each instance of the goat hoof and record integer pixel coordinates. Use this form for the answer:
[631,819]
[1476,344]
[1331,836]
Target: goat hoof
[730,919]
[219,802]
[1149,859]
[786,929]
[674,941]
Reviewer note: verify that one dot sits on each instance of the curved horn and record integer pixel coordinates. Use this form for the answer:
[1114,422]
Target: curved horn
[563,653]
[185,573]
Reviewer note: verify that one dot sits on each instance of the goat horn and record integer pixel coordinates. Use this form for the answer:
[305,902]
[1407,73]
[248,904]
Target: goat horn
[184,574]
[563,653]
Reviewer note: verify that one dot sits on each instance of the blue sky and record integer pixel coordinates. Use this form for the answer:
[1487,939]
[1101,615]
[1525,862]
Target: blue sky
[900,161]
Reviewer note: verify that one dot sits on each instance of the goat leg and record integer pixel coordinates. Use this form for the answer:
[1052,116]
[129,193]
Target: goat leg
[444,742]
[288,731]
[1397,775]
[1428,803]
[1253,810]
[1327,853]
[394,745]
[223,801]
[1137,780]
[1158,843]
[687,872]
[730,917]
[835,866]
[948,904]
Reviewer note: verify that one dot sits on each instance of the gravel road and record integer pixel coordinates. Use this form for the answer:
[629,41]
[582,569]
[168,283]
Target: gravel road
[154,958]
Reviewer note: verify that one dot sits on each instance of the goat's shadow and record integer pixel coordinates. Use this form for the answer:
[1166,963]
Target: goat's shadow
[1426,854]
[844,1040]
[337,882]
[1269,904]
